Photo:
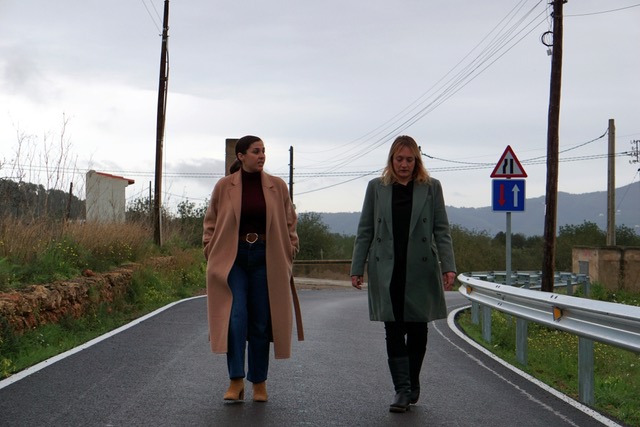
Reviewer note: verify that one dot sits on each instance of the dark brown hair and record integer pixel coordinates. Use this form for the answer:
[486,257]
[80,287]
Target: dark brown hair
[242,146]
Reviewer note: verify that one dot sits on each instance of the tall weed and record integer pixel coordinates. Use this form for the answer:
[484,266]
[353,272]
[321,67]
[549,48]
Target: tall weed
[45,251]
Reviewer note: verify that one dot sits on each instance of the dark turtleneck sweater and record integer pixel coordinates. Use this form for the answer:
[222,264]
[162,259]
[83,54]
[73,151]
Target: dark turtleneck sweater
[253,216]
[402,202]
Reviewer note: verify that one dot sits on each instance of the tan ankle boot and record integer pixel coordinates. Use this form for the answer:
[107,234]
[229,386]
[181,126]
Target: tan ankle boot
[260,392]
[236,390]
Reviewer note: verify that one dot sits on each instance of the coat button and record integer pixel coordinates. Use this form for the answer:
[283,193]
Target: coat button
[424,258]
[377,258]
[379,219]
[379,240]
[424,239]
[424,219]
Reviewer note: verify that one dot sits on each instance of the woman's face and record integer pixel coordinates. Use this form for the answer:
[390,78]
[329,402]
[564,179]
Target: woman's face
[253,160]
[404,162]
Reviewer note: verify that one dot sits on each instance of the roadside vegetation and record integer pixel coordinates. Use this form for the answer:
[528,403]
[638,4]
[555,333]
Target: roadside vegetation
[38,250]
[552,358]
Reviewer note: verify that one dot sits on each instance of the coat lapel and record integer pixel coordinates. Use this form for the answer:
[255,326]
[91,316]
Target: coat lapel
[235,195]
[420,199]
[269,191]
[385,195]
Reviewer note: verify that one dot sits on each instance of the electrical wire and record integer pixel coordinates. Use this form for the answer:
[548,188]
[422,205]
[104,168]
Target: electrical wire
[627,189]
[447,88]
[151,16]
[603,11]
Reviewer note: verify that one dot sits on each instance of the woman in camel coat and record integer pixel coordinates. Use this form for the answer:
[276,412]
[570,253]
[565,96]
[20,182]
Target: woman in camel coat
[250,241]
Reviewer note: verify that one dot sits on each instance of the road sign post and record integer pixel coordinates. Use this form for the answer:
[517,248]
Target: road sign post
[508,195]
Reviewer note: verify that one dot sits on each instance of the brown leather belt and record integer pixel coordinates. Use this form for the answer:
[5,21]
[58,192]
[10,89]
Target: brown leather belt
[252,237]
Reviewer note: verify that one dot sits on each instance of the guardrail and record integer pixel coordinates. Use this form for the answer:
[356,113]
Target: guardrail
[614,324]
[533,279]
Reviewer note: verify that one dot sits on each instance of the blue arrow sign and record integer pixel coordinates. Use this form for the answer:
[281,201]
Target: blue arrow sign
[508,195]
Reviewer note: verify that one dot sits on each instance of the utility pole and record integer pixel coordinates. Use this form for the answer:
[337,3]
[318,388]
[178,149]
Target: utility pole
[68,211]
[611,186]
[635,151]
[291,173]
[162,109]
[553,143]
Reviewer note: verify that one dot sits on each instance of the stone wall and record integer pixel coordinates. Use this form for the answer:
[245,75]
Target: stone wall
[37,305]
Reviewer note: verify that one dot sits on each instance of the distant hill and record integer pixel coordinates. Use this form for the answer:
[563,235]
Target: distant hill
[573,209]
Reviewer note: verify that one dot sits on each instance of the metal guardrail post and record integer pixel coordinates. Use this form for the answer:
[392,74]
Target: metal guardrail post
[486,323]
[522,347]
[587,288]
[606,322]
[585,371]
[475,313]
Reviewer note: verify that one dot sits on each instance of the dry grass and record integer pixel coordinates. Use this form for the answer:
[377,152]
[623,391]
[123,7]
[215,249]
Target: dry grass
[21,241]
[103,238]
[38,252]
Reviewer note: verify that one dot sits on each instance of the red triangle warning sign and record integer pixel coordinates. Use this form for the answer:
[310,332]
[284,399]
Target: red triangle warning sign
[508,166]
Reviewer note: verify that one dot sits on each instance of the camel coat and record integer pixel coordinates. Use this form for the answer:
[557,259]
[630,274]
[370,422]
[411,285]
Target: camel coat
[429,252]
[220,239]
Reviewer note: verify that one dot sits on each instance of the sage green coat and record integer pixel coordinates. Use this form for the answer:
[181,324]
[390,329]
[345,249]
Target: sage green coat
[429,252]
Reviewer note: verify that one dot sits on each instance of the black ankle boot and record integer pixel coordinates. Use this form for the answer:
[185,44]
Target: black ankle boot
[415,366]
[414,396]
[399,367]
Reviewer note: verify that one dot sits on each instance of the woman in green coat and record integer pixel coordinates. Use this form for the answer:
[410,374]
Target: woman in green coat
[403,237]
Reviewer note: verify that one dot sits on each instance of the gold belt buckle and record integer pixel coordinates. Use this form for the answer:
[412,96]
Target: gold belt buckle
[246,238]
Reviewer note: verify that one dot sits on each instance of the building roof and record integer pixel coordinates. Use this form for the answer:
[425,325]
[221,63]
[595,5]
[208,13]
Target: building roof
[108,175]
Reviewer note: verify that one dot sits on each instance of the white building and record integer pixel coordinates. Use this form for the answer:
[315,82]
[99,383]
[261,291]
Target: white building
[106,197]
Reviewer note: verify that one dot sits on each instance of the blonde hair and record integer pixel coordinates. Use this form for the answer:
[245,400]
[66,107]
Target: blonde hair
[420,173]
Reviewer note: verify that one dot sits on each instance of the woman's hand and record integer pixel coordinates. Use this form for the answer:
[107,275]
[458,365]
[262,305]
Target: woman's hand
[356,282]
[448,279]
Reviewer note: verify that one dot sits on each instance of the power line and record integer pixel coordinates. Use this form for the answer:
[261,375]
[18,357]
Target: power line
[351,174]
[464,166]
[151,16]
[603,11]
[443,89]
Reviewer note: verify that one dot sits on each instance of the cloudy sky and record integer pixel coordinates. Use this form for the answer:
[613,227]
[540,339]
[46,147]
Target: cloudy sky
[335,80]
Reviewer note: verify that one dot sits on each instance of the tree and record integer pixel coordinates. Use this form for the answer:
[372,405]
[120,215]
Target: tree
[586,234]
[30,201]
[476,251]
[139,210]
[316,242]
[626,236]
[190,219]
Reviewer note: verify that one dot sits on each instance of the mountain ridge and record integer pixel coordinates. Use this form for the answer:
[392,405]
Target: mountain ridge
[573,209]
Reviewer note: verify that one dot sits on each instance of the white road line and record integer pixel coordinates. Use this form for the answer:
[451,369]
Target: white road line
[35,368]
[588,411]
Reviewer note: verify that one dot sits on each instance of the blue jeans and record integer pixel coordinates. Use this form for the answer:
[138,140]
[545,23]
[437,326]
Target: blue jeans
[250,315]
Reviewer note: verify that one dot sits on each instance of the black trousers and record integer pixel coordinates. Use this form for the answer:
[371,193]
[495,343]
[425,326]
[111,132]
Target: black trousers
[406,338]
[403,338]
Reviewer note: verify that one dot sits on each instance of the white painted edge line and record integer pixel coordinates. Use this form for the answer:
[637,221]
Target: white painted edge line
[35,368]
[579,406]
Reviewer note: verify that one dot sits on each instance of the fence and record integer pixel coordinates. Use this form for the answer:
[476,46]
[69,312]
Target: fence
[610,323]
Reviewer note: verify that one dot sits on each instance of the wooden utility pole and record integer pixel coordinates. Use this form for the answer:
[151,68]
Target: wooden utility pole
[291,173]
[611,186]
[553,143]
[69,200]
[162,109]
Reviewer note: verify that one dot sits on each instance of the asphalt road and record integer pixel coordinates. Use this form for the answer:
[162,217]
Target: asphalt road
[160,372]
